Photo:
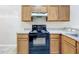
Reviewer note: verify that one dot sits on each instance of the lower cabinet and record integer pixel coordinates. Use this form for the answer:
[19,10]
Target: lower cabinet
[54,48]
[67,48]
[22,44]
[68,45]
[54,43]
[77,47]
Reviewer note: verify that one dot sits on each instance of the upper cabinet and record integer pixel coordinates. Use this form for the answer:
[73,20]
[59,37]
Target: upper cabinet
[52,13]
[26,13]
[42,8]
[59,13]
[55,12]
[64,12]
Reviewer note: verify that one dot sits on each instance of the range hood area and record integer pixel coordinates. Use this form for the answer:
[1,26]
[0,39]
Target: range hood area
[39,14]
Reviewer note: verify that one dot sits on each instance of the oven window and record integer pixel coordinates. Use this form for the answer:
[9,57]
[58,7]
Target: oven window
[39,41]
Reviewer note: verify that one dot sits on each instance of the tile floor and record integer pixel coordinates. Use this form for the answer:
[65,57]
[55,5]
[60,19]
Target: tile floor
[7,50]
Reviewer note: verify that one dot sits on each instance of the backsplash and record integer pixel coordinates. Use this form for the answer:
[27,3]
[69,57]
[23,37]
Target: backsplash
[42,21]
[69,29]
[39,20]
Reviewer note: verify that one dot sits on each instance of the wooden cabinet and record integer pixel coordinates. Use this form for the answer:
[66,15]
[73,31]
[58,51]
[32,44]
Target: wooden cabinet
[54,43]
[52,13]
[68,48]
[68,45]
[58,13]
[26,13]
[55,12]
[68,39]
[77,47]
[64,12]
[22,43]
[42,8]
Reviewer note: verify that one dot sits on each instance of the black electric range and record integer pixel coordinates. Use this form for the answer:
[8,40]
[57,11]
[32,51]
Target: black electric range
[39,41]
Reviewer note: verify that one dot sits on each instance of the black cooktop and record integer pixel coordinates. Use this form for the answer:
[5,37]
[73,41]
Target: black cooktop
[39,29]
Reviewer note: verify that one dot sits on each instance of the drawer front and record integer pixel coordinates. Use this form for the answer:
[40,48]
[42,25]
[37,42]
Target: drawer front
[22,36]
[22,39]
[54,36]
[69,40]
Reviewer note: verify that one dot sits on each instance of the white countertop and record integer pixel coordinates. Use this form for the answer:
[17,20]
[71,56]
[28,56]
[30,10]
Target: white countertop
[23,31]
[55,31]
[73,37]
[66,33]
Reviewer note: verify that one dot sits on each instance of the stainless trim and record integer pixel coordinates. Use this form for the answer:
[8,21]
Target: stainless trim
[39,14]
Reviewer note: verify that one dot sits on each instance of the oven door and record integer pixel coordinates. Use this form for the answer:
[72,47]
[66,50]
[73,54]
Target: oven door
[39,45]
[40,41]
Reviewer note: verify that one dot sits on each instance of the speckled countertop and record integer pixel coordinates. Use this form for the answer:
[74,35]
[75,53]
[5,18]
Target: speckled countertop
[66,33]
[73,37]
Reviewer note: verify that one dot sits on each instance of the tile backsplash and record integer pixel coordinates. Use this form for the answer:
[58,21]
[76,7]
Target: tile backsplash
[39,20]
[42,20]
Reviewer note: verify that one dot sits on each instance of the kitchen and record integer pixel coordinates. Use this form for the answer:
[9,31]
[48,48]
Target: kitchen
[61,22]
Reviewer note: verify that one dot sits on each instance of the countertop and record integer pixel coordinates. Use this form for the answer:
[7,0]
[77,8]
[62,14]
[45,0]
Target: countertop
[66,33]
[73,37]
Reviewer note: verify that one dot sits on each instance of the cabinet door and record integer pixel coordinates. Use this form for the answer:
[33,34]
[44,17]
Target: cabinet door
[77,47]
[26,13]
[67,48]
[52,13]
[41,8]
[64,12]
[22,46]
[54,46]
[68,39]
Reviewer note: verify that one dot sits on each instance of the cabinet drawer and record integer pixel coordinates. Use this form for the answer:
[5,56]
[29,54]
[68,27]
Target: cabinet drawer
[22,36]
[54,36]
[69,40]
[22,39]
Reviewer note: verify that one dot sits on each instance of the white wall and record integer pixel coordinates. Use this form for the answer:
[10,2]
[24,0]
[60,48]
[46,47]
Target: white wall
[74,12]
[10,23]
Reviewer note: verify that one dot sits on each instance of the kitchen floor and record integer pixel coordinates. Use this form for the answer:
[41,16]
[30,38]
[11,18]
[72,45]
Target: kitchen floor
[7,50]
